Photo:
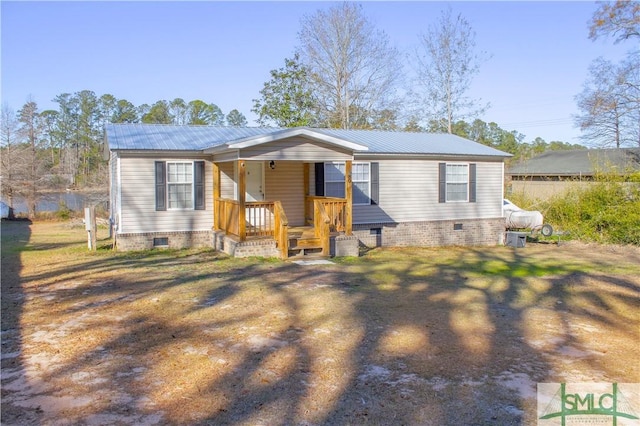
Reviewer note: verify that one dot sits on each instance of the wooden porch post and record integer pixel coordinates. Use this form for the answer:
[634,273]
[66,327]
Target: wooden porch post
[348,194]
[216,196]
[242,191]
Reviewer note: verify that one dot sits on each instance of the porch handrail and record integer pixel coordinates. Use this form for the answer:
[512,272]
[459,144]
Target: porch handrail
[225,215]
[281,229]
[259,217]
[336,209]
[321,226]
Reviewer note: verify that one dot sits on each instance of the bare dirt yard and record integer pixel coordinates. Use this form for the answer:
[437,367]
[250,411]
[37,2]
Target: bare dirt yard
[446,336]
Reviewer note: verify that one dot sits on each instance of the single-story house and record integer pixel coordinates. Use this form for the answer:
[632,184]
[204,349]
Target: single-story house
[554,172]
[278,192]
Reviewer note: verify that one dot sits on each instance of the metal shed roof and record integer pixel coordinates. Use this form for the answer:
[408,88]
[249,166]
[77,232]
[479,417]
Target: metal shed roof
[583,162]
[159,137]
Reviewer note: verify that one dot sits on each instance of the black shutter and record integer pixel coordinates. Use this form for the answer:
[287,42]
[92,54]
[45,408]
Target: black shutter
[375,183]
[320,179]
[442,182]
[161,185]
[198,180]
[472,182]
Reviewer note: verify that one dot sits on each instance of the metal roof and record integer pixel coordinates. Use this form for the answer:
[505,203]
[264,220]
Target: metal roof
[583,162]
[164,137]
[413,143]
[198,138]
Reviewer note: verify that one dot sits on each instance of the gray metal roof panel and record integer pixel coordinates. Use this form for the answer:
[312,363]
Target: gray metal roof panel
[414,143]
[579,162]
[174,138]
[198,138]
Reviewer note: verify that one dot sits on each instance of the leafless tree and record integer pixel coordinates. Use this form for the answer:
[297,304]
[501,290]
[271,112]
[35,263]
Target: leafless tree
[8,130]
[446,62]
[353,67]
[610,104]
[29,162]
[620,19]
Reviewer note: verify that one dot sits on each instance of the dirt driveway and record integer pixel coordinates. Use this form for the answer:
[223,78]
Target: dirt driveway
[454,336]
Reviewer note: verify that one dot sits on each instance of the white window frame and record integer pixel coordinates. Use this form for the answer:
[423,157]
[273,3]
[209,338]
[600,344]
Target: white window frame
[191,183]
[456,182]
[353,164]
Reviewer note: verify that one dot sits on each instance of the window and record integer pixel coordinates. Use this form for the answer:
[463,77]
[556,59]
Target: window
[360,178]
[179,185]
[334,180]
[457,182]
[361,183]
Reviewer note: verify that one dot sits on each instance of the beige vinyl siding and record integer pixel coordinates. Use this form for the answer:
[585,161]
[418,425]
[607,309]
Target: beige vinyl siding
[286,184]
[298,149]
[138,213]
[409,192]
[227,180]
[114,188]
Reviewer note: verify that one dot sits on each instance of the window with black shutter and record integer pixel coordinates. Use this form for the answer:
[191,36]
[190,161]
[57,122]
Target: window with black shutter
[161,186]
[180,185]
[456,182]
[198,179]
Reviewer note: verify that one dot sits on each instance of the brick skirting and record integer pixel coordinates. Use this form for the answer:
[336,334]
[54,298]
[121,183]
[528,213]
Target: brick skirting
[175,240]
[465,232]
[263,247]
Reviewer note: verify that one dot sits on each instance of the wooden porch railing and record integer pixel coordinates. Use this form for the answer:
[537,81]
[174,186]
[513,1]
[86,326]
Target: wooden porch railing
[268,219]
[322,225]
[281,230]
[259,217]
[262,219]
[335,208]
[225,215]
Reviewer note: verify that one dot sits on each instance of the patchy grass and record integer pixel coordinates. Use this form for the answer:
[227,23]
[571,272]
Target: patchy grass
[535,260]
[413,336]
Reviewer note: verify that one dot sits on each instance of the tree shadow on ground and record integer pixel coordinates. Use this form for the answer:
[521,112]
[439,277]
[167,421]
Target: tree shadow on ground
[15,237]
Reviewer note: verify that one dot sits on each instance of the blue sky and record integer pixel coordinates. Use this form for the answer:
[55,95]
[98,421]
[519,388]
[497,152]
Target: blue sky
[222,52]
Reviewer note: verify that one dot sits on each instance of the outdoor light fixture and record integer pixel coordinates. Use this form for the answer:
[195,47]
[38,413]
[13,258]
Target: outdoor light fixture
[272,165]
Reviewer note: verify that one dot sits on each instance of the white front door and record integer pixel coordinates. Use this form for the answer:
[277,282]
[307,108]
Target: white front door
[254,182]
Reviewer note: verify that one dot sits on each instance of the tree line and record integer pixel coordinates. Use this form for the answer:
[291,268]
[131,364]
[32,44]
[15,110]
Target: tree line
[63,148]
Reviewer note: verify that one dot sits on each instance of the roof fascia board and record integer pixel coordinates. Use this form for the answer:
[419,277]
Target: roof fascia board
[217,149]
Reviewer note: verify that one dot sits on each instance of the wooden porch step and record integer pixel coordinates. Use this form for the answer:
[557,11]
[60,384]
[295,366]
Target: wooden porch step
[306,243]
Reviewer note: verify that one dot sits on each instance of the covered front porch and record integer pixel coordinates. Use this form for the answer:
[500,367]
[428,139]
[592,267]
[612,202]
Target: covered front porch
[252,213]
[271,190]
